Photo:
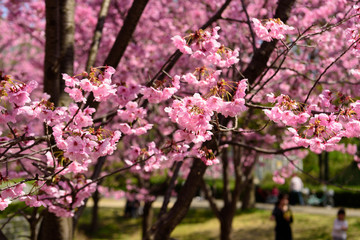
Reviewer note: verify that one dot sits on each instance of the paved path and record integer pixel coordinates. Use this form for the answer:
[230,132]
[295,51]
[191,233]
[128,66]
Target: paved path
[351,212]
[200,203]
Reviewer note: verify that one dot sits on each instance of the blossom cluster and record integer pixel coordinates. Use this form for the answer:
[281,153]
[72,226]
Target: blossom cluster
[133,193]
[98,82]
[286,171]
[13,95]
[318,126]
[271,29]
[132,114]
[204,45]
[79,142]
[151,156]
[352,33]
[160,92]
[286,111]
[193,114]
[203,79]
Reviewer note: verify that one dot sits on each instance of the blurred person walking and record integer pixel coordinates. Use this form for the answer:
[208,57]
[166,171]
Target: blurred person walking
[296,187]
[340,226]
[283,218]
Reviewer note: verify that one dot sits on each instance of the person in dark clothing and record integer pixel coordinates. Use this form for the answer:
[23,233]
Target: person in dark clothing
[283,218]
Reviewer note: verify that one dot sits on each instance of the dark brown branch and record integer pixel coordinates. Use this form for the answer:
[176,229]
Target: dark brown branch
[249,105]
[122,40]
[210,198]
[225,176]
[97,34]
[170,63]
[232,20]
[166,224]
[238,172]
[261,56]
[170,188]
[262,150]
[249,24]
[51,68]
[126,32]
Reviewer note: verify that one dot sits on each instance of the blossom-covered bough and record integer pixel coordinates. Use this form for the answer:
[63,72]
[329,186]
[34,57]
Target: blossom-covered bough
[267,78]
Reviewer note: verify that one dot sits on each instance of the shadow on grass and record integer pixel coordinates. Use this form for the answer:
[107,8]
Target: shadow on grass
[197,216]
[111,224]
[201,224]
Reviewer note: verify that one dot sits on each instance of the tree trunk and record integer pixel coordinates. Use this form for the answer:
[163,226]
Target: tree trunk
[326,166]
[166,224]
[55,228]
[248,200]
[2,236]
[260,58]
[67,36]
[147,220]
[230,203]
[33,222]
[227,216]
[321,175]
[95,212]
[51,60]
[59,57]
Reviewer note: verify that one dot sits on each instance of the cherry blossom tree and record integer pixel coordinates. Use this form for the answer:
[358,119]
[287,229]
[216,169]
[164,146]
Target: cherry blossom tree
[179,85]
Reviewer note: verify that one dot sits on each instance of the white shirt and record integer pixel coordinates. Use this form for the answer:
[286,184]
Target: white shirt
[337,231]
[296,184]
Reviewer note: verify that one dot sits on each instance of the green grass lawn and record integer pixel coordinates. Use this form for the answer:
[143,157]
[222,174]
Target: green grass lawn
[200,224]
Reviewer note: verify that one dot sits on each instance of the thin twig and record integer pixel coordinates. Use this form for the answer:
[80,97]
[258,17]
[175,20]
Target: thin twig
[328,67]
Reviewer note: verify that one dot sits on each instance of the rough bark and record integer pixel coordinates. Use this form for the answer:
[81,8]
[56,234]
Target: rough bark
[225,176]
[55,228]
[51,68]
[227,213]
[33,221]
[60,29]
[67,38]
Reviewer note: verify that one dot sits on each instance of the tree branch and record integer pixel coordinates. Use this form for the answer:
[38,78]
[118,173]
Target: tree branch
[123,38]
[249,24]
[327,68]
[170,63]
[97,34]
[210,198]
[170,188]
[51,68]
[261,150]
[261,56]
